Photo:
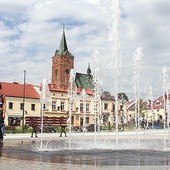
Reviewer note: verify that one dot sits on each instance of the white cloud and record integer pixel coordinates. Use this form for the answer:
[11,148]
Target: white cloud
[31,32]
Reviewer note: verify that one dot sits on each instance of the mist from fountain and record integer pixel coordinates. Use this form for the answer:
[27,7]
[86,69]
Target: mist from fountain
[72,91]
[45,99]
[97,94]
[137,88]
[137,83]
[115,46]
[165,80]
[150,104]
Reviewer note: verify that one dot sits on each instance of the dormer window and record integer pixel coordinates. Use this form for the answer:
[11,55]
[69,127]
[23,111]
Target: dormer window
[157,103]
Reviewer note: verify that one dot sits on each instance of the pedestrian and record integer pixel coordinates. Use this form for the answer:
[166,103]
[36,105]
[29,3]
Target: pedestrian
[63,127]
[109,127]
[34,130]
[1,132]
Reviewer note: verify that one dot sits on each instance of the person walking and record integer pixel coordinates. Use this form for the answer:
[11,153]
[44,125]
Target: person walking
[34,130]
[63,127]
[109,127]
[1,132]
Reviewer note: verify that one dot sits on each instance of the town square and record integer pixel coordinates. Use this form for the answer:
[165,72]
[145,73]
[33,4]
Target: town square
[84,84]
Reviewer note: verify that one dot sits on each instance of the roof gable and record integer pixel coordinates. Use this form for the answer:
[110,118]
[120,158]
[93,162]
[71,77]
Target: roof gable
[17,90]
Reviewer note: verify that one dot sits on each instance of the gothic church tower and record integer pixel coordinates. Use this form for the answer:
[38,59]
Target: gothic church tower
[62,63]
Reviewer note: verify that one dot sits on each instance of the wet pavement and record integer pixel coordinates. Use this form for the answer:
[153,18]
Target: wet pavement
[22,152]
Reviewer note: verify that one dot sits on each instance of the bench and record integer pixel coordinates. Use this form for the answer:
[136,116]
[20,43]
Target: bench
[49,123]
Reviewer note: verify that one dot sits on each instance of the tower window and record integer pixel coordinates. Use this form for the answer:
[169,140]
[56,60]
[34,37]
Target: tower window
[67,71]
[56,72]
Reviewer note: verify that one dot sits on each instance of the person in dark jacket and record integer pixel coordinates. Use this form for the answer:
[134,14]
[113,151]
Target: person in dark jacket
[34,130]
[63,127]
[1,132]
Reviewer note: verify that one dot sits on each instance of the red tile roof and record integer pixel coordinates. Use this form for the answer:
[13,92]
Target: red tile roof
[17,90]
[53,88]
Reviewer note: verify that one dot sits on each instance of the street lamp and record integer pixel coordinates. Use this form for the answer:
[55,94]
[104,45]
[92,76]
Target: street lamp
[23,113]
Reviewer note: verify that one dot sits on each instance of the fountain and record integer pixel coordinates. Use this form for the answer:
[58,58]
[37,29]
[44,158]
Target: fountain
[139,148]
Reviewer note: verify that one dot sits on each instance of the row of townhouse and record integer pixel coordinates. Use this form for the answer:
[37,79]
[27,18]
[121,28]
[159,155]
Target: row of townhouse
[18,104]
[24,100]
[157,109]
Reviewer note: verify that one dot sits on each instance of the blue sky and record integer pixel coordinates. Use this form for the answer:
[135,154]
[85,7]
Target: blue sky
[30,32]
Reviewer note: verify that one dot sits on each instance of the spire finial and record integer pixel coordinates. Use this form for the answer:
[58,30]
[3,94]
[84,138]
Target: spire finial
[88,69]
[63,27]
[63,43]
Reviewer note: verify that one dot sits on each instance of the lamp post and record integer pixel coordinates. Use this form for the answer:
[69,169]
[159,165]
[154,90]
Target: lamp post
[23,113]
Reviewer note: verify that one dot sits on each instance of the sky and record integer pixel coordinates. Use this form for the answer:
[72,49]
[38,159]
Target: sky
[31,30]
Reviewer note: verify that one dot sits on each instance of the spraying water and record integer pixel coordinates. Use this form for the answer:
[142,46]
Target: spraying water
[71,94]
[45,103]
[114,42]
[137,83]
[165,79]
[150,104]
[165,90]
[137,88]
[97,94]
[84,97]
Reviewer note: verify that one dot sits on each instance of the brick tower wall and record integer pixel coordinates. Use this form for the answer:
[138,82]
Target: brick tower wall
[61,66]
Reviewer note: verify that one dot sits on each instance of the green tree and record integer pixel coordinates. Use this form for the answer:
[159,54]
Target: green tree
[123,97]
[142,108]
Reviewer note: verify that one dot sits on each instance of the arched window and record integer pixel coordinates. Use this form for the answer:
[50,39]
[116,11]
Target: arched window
[67,71]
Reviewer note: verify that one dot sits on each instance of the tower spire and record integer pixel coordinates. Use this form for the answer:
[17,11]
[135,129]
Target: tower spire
[63,43]
[88,69]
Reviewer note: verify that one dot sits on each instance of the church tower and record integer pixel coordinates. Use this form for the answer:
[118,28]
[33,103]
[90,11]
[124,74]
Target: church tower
[62,63]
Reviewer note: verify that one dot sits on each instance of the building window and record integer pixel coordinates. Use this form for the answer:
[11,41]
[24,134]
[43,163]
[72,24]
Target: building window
[32,106]
[95,107]
[113,108]
[72,107]
[81,107]
[21,106]
[62,106]
[53,105]
[10,105]
[87,120]
[157,103]
[105,106]
[87,107]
